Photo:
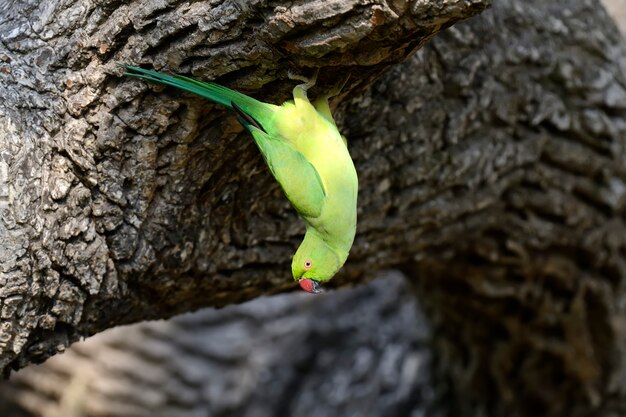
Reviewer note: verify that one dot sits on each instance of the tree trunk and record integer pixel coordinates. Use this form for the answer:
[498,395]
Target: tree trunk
[492,172]
[522,262]
[121,202]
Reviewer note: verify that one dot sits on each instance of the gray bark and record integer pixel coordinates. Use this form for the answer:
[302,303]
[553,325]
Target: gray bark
[121,202]
[523,274]
[270,357]
[492,172]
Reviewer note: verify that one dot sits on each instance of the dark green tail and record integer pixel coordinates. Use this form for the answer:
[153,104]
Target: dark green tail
[211,91]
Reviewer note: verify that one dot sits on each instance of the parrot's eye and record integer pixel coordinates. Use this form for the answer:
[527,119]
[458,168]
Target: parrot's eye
[308,264]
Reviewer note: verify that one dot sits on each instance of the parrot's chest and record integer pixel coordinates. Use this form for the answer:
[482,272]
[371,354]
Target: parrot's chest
[336,169]
[321,144]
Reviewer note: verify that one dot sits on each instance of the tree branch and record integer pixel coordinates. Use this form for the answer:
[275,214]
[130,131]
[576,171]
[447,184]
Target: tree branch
[122,203]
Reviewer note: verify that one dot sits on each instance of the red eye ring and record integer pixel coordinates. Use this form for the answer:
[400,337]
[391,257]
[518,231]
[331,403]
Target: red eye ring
[308,264]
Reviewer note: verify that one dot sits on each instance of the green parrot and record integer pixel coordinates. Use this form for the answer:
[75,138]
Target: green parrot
[308,157]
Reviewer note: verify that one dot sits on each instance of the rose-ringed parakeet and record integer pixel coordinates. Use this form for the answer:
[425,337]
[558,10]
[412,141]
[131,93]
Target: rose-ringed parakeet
[308,157]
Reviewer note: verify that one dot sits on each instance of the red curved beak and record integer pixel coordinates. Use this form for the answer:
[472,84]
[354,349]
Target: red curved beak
[310,285]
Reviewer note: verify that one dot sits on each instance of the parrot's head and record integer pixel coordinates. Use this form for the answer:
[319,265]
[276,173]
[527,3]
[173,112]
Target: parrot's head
[314,262]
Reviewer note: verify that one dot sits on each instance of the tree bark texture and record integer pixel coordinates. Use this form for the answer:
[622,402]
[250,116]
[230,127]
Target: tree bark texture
[270,357]
[524,278]
[123,202]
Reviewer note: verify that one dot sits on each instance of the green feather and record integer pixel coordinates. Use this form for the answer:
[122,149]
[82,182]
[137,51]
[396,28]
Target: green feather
[211,91]
[298,178]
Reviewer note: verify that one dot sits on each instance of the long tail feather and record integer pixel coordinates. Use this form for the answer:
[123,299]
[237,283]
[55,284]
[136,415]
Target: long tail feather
[245,119]
[211,91]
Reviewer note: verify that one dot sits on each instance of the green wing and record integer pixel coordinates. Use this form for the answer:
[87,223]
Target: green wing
[299,179]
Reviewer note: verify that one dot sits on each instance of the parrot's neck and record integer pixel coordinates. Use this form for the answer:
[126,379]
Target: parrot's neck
[316,239]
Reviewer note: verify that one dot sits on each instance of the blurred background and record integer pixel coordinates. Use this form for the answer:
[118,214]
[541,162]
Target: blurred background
[365,351]
[617,9]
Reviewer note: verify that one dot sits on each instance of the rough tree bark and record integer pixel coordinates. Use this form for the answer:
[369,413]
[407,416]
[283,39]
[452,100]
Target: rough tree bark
[270,357]
[492,172]
[526,284]
[122,203]
[528,304]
